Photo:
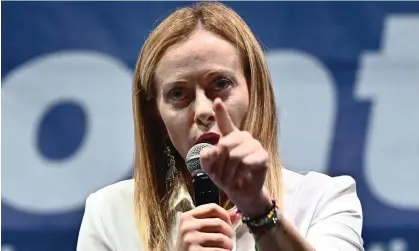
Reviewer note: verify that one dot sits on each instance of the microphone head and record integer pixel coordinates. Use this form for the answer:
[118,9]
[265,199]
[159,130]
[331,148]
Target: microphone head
[192,158]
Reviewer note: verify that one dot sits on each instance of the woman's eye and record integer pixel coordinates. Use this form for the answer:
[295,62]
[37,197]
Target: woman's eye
[222,84]
[177,94]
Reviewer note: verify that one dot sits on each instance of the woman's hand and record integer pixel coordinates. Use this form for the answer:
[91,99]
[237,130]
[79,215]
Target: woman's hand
[207,227]
[238,165]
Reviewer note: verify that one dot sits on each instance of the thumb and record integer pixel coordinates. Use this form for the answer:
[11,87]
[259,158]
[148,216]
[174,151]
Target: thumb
[208,155]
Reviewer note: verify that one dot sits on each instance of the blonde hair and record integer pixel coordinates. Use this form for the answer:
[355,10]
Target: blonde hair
[152,197]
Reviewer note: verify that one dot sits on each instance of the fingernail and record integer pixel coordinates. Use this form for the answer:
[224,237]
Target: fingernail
[219,105]
[217,102]
[238,212]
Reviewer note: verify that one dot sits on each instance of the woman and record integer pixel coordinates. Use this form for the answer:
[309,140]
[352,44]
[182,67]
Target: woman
[202,76]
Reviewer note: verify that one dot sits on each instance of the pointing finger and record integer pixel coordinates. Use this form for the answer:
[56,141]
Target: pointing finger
[224,122]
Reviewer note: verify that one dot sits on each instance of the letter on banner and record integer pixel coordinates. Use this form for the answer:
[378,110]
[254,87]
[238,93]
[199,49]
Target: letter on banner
[305,95]
[390,80]
[101,85]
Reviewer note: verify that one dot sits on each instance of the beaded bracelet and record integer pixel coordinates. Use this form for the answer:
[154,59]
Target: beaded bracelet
[263,223]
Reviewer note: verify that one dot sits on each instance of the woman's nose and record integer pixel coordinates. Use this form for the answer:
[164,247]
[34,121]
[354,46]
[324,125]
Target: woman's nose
[204,114]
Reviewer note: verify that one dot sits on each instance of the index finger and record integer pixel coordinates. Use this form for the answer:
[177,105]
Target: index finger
[211,211]
[224,122]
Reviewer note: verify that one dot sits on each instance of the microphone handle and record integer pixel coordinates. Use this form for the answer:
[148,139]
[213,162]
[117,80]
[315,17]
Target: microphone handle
[205,190]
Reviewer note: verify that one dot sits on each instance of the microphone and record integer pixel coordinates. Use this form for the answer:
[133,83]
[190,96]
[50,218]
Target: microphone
[204,189]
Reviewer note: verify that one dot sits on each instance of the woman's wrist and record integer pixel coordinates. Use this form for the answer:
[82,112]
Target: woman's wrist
[256,206]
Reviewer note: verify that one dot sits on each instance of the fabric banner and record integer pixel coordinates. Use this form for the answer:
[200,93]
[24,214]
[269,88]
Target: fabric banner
[346,80]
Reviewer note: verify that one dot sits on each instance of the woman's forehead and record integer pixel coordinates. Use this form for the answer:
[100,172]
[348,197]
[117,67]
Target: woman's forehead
[201,53]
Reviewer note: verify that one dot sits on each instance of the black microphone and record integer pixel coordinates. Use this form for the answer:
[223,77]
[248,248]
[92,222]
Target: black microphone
[205,190]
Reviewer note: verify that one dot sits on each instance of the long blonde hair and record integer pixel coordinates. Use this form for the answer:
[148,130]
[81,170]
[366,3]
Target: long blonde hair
[152,197]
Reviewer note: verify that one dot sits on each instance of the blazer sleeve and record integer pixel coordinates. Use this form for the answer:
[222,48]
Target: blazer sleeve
[337,222]
[92,234]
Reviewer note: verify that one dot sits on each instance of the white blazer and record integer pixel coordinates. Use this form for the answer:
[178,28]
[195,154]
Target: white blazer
[325,210]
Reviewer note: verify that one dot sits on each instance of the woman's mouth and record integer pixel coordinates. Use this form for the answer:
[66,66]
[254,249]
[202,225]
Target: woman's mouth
[210,138]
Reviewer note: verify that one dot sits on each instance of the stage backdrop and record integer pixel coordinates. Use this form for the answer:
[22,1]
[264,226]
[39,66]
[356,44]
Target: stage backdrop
[346,79]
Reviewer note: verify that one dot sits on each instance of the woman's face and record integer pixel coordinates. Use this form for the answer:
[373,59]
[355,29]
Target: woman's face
[189,76]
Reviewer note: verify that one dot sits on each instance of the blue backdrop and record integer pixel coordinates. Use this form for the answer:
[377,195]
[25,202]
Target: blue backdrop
[346,77]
